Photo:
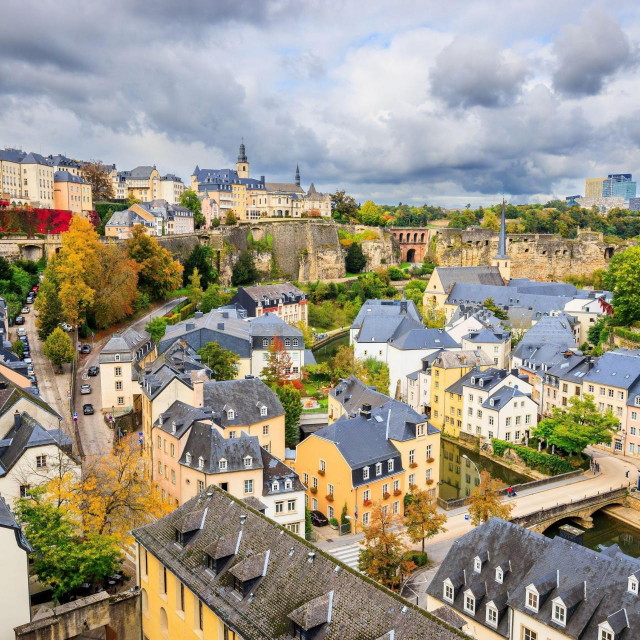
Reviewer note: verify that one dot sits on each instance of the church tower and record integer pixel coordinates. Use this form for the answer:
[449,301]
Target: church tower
[297,176]
[501,259]
[242,166]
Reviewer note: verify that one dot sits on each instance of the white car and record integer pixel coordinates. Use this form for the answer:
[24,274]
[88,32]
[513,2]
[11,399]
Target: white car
[27,360]
[85,389]
[66,327]
[22,331]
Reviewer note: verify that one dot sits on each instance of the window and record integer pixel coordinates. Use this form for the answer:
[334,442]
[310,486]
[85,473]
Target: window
[180,596]
[365,473]
[559,613]
[412,456]
[288,485]
[280,507]
[248,486]
[163,580]
[527,419]
[330,489]
[314,482]
[448,593]
[366,495]
[491,420]
[291,505]
[120,400]
[532,600]
[173,476]
[396,485]
[248,462]
[305,479]
[200,620]
[507,436]
[222,464]
[263,412]
[159,442]
[330,513]
[591,388]
[633,585]
[231,414]
[428,474]
[470,604]
[378,468]
[265,428]
[41,462]
[232,434]
[118,385]
[117,357]
[477,565]
[420,430]
[412,479]
[159,467]
[385,488]
[265,342]
[173,450]
[492,616]
[527,634]
[610,393]
[314,504]
[499,575]
[323,466]
[200,486]
[389,465]
[365,519]
[118,371]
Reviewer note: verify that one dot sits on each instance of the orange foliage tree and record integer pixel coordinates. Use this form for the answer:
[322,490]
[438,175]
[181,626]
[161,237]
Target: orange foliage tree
[421,517]
[278,367]
[485,501]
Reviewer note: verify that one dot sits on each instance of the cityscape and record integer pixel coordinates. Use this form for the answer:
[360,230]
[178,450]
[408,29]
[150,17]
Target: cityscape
[310,340]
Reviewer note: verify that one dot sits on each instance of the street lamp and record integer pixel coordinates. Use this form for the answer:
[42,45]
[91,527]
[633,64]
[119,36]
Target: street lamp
[466,457]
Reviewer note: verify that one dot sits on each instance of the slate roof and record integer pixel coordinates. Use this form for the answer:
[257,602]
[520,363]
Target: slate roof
[571,368]
[484,336]
[273,291]
[382,328]
[421,338]
[34,158]
[284,187]
[551,330]
[11,393]
[127,218]
[8,521]
[593,585]
[489,377]
[26,435]
[274,471]
[620,368]
[270,325]
[379,308]
[459,359]
[469,275]
[501,397]
[183,415]
[244,397]
[127,342]
[352,393]
[360,608]
[65,176]
[12,155]
[539,356]
[141,173]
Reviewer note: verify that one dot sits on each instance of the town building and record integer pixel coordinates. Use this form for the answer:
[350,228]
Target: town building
[284,300]
[495,343]
[170,188]
[465,320]
[563,381]
[37,181]
[593,187]
[446,368]
[443,279]
[17,398]
[505,581]
[72,193]
[215,568]
[375,457]
[348,396]
[31,455]
[121,225]
[60,162]
[11,172]
[419,385]
[15,604]
[140,183]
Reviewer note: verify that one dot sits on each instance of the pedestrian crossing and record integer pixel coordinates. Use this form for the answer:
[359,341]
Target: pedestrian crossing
[347,554]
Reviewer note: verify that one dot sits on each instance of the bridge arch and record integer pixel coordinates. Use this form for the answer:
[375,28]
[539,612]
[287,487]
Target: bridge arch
[582,517]
[32,252]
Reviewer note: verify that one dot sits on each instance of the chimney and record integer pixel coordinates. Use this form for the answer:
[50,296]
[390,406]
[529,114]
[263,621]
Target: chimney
[190,326]
[173,427]
[365,411]
[403,306]
[17,420]
[198,393]
[198,314]
[221,326]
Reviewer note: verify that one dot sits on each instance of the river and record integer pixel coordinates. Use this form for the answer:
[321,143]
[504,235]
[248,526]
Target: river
[326,352]
[458,477]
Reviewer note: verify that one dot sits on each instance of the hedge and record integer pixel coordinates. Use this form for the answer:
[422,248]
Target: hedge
[543,462]
[418,557]
[627,334]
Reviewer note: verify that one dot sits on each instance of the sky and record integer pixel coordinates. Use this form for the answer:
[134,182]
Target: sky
[445,103]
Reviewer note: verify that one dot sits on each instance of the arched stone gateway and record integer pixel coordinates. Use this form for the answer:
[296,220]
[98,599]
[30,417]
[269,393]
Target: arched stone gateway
[31,252]
[608,253]
[413,243]
[411,255]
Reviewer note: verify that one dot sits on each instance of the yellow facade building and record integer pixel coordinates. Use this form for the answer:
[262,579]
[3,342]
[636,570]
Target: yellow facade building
[593,187]
[377,456]
[72,193]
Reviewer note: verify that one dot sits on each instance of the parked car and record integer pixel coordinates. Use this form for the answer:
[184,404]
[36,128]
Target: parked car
[27,360]
[22,332]
[19,320]
[85,348]
[85,389]
[23,338]
[318,519]
[25,310]
[65,327]
[93,371]
[30,299]
[30,371]
[35,391]
[34,380]
[35,288]
[87,409]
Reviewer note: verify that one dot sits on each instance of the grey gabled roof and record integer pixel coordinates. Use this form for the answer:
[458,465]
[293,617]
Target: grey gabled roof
[469,275]
[352,393]
[34,158]
[620,368]
[358,603]
[273,291]
[8,521]
[551,330]
[501,397]
[130,340]
[490,378]
[284,187]
[487,336]
[183,416]
[142,172]
[380,308]
[275,471]
[421,339]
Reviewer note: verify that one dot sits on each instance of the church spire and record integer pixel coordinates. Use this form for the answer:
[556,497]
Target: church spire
[242,156]
[502,243]
[297,176]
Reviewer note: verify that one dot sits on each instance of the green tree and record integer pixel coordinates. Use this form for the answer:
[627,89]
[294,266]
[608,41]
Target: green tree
[97,175]
[58,348]
[596,330]
[307,334]
[213,298]
[377,374]
[490,305]
[369,213]
[308,525]
[579,426]
[48,305]
[223,363]
[343,206]
[5,269]
[421,518]
[156,328]
[200,258]
[490,221]
[244,270]
[292,404]
[354,260]
[194,290]
[64,557]
[18,348]
[189,199]
[230,219]
[434,316]
[622,279]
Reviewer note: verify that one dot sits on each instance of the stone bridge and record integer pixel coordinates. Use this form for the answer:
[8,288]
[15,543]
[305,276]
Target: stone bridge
[580,511]
[413,241]
[29,248]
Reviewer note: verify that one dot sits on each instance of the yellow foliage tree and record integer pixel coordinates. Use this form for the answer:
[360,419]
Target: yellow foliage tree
[485,501]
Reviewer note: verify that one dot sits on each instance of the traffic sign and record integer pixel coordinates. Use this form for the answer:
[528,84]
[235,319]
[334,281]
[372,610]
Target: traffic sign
[140,434]
[466,516]
[93,335]
[75,417]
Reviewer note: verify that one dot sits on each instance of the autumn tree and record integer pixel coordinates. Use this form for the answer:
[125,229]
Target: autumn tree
[189,199]
[434,316]
[421,517]
[58,348]
[48,303]
[97,175]
[343,206]
[376,374]
[230,219]
[156,328]
[159,274]
[490,220]
[291,401]
[222,362]
[382,557]
[194,290]
[307,334]
[278,367]
[485,502]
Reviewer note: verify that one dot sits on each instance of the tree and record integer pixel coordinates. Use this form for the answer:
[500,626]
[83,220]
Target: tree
[5,269]
[307,334]
[434,317]
[354,260]
[485,501]
[194,290]
[18,348]
[369,213]
[490,305]
[156,328]
[308,525]
[200,258]
[377,374]
[578,426]
[48,304]
[244,270]
[189,199]
[97,175]
[596,330]
[490,221]
[230,219]
[64,556]
[382,558]
[213,298]
[421,517]
[160,274]
[58,348]
[292,404]
[343,206]
[622,279]
[222,362]
[278,367]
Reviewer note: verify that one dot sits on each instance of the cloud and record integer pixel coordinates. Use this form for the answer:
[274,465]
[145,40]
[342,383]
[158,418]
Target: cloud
[590,53]
[471,72]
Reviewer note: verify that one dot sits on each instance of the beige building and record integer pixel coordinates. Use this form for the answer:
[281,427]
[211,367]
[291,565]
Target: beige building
[593,187]
[37,181]
[142,183]
[170,188]
[15,603]
[72,193]
[494,343]
[11,175]
[287,302]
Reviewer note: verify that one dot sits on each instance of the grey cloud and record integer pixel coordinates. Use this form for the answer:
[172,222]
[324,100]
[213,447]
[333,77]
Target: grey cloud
[470,73]
[589,53]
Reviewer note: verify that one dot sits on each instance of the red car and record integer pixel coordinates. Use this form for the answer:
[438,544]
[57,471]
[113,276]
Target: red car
[35,287]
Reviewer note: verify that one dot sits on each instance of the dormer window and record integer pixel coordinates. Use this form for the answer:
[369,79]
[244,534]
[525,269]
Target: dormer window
[275,486]
[481,383]
[200,463]
[531,599]
[222,464]
[469,604]
[263,411]
[288,484]
[248,461]
[499,575]
[632,585]
[117,357]
[389,465]
[231,414]
[188,458]
[378,468]
[636,401]
[606,634]
[473,380]
[477,565]
[492,616]
[448,592]
[365,473]
[559,613]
